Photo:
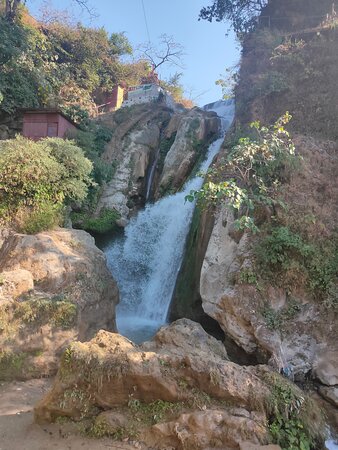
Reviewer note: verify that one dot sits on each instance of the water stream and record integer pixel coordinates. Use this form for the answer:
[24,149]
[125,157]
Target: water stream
[145,261]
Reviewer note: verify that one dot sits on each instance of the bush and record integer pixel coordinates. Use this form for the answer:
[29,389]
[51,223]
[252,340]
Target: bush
[43,217]
[251,173]
[295,422]
[92,141]
[37,178]
[280,247]
[288,260]
[102,224]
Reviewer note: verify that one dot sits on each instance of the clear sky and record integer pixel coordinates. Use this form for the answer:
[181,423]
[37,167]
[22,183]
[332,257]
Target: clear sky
[208,51]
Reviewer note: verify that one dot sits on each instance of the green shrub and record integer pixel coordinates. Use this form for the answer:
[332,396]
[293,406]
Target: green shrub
[295,422]
[165,146]
[92,140]
[281,248]
[287,259]
[43,217]
[105,222]
[36,178]
[271,83]
[251,173]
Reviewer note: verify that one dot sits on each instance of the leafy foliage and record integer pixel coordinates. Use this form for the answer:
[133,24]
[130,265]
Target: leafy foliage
[295,421]
[241,13]
[39,177]
[61,65]
[288,259]
[280,247]
[92,141]
[26,66]
[106,221]
[254,170]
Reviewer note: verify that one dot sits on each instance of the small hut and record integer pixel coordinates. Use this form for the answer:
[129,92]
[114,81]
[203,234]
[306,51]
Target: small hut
[42,123]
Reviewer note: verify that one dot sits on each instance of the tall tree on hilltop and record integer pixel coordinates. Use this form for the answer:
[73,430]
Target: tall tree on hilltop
[282,14]
[167,52]
[241,13]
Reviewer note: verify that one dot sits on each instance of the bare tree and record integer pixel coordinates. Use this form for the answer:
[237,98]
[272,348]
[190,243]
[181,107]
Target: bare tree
[168,52]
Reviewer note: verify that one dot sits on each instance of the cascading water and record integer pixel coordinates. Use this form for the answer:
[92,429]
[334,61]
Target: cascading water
[146,260]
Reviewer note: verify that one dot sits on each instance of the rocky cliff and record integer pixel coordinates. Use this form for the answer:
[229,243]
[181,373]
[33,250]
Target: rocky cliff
[172,142]
[280,320]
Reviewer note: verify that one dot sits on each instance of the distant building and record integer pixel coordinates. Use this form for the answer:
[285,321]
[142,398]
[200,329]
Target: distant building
[114,100]
[143,93]
[42,123]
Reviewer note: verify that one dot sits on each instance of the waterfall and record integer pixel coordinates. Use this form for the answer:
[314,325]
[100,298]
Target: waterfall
[146,260]
[151,175]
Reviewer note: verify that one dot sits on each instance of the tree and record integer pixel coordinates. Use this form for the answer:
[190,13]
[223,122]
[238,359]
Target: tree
[12,8]
[241,13]
[168,52]
[38,178]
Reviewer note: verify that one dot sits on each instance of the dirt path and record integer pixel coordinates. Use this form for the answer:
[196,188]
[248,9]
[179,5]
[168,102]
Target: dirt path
[18,432]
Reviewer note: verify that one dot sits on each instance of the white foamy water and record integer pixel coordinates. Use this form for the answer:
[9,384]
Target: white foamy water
[145,262]
[331,445]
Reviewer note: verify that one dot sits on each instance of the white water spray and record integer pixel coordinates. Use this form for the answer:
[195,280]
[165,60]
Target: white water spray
[146,261]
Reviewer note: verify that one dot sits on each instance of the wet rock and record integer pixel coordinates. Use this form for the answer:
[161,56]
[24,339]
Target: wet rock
[131,150]
[239,308]
[193,128]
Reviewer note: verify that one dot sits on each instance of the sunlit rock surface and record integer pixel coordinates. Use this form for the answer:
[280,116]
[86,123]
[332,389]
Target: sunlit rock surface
[55,287]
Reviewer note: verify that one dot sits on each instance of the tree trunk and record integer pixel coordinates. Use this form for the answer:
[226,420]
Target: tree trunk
[12,9]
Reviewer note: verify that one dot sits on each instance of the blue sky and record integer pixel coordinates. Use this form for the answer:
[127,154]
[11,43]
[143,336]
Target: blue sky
[208,51]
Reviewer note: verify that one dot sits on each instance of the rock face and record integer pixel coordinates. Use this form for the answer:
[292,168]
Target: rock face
[239,306]
[193,129]
[131,150]
[178,390]
[146,136]
[55,287]
[208,429]
[182,365]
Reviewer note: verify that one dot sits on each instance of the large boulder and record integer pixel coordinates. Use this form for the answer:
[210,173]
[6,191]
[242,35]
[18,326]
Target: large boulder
[240,308]
[208,429]
[178,390]
[55,287]
[260,317]
[194,130]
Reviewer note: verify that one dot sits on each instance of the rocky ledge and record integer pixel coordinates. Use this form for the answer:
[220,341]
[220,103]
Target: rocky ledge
[54,287]
[178,390]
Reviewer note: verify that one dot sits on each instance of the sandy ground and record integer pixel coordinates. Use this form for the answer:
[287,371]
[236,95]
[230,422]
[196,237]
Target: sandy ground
[18,432]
